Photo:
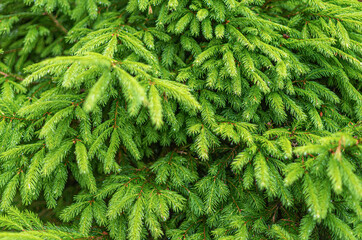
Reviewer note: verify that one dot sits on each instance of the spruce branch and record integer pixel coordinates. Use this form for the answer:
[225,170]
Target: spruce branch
[181,119]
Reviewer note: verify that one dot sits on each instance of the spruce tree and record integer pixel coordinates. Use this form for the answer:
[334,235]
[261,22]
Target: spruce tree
[180,119]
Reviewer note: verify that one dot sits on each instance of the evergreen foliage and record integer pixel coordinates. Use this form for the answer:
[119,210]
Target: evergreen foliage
[181,119]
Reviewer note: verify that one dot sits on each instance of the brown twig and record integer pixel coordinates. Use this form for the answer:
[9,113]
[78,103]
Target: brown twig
[266,3]
[15,118]
[11,75]
[11,50]
[57,23]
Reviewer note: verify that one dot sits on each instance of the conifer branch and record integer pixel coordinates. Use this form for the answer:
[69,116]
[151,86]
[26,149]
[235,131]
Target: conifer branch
[181,119]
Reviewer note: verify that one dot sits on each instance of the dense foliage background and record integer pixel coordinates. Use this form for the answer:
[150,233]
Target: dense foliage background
[180,119]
